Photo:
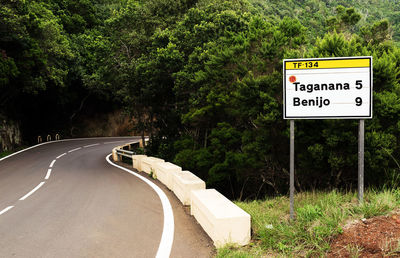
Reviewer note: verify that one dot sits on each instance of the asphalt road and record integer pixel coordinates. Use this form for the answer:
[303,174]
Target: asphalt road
[84,207]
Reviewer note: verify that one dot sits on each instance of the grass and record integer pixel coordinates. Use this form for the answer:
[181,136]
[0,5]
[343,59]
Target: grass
[393,249]
[320,217]
[354,250]
[5,153]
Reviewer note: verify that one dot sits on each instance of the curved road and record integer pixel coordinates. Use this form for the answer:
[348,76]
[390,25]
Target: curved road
[63,199]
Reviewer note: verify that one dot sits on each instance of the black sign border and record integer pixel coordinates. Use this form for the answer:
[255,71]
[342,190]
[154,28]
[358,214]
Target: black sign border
[328,117]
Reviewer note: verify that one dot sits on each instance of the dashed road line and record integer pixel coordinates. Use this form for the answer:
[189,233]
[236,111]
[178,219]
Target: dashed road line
[113,142]
[6,209]
[91,145]
[61,155]
[48,174]
[74,149]
[31,192]
[65,140]
[52,163]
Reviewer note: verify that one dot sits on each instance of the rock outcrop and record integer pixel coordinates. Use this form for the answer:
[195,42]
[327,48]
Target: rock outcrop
[10,134]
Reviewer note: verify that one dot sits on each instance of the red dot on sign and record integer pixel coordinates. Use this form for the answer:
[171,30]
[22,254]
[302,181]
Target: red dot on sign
[292,79]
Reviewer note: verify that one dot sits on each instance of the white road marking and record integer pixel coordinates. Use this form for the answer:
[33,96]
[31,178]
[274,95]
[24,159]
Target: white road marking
[74,149]
[65,140]
[91,145]
[167,237]
[61,155]
[113,142]
[48,174]
[52,163]
[18,152]
[31,192]
[6,209]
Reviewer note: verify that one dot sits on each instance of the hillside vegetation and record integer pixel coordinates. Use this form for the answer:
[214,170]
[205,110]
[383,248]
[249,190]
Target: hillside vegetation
[320,218]
[204,80]
[317,16]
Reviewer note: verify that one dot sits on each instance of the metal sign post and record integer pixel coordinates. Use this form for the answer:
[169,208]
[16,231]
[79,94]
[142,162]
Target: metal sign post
[361,161]
[291,169]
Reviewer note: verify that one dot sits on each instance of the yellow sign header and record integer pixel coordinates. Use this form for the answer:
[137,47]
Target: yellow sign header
[326,64]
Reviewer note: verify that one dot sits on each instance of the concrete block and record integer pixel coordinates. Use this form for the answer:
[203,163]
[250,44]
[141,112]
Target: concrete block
[165,172]
[184,183]
[148,164]
[222,220]
[114,154]
[137,161]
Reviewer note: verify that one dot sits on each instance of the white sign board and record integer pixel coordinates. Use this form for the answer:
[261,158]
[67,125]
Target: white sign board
[327,88]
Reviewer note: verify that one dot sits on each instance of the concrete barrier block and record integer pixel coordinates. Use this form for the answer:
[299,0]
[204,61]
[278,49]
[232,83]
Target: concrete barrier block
[165,172]
[222,220]
[148,164]
[184,183]
[137,161]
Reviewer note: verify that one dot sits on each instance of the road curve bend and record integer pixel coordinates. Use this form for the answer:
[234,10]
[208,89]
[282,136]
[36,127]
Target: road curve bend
[63,199]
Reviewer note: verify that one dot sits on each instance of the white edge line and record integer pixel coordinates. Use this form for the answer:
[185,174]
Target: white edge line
[74,149]
[18,152]
[61,155]
[48,174]
[6,209]
[52,163]
[167,237]
[31,192]
[65,140]
[91,145]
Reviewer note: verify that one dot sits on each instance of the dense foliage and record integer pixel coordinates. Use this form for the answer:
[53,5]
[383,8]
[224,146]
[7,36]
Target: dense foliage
[44,62]
[204,80]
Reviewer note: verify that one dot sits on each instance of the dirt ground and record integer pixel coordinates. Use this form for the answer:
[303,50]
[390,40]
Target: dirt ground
[374,237]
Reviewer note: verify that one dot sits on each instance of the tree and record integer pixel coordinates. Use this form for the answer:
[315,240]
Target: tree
[34,51]
[345,20]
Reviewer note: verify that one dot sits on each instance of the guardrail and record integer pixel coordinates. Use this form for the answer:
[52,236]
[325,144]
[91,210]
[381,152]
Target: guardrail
[126,150]
[125,153]
[220,218]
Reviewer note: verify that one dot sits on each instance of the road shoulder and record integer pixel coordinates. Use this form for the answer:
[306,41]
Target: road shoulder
[190,240]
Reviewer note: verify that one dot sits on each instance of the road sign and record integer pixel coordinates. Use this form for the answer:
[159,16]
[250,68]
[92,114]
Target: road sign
[327,88]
